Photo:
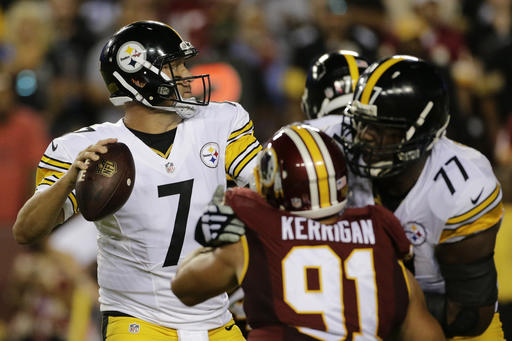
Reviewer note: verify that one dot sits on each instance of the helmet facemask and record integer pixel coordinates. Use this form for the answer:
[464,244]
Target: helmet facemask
[405,144]
[163,91]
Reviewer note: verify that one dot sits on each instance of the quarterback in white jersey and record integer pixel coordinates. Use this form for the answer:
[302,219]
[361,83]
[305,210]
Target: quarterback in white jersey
[445,194]
[183,148]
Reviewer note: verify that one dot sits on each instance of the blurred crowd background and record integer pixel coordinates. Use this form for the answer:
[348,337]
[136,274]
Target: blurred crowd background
[257,53]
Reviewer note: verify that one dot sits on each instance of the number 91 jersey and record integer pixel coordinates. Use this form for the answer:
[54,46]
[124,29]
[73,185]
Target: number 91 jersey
[141,244]
[456,196]
[307,281]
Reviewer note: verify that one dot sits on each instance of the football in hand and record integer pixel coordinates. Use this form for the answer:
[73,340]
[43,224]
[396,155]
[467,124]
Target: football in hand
[106,184]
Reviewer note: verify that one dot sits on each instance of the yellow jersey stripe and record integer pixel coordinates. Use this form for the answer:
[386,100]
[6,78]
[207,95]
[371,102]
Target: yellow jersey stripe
[166,155]
[237,148]
[72,197]
[245,245]
[56,163]
[405,277]
[486,221]
[242,130]
[246,160]
[47,182]
[318,162]
[353,69]
[471,213]
[365,96]
[45,173]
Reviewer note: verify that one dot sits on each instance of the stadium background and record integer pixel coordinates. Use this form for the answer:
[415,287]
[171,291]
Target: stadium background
[257,52]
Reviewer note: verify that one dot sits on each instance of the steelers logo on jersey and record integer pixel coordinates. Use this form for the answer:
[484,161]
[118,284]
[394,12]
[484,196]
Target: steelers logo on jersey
[131,56]
[415,233]
[210,154]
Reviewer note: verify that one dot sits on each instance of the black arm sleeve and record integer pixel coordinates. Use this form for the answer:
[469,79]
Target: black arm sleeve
[471,285]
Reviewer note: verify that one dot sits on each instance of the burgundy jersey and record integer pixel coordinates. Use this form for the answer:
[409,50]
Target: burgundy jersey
[309,281]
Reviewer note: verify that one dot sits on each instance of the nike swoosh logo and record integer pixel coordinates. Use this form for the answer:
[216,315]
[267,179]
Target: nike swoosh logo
[54,146]
[474,201]
[228,328]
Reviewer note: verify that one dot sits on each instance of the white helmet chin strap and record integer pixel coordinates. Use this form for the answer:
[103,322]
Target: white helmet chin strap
[183,110]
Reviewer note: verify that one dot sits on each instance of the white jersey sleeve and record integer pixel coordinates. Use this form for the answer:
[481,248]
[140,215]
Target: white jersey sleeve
[56,161]
[242,146]
[360,189]
[456,196]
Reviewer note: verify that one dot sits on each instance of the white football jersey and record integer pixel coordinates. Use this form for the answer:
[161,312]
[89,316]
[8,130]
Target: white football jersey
[325,123]
[142,243]
[456,196]
[360,189]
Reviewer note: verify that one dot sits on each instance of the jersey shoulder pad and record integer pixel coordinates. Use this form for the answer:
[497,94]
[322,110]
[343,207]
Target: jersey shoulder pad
[464,189]
[249,206]
[326,123]
[391,225]
[65,148]
[240,197]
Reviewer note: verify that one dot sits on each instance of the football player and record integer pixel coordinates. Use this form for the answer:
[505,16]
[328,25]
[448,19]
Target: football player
[330,85]
[310,269]
[329,88]
[183,146]
[445,194]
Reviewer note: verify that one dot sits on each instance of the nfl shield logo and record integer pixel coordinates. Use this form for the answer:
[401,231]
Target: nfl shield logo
[296,202]
[169,166]
[134,328]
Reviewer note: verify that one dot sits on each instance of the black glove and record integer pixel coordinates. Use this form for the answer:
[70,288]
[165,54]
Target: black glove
[218,225]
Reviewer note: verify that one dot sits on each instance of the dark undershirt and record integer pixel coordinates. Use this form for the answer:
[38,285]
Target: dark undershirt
[160,142]
[391,202]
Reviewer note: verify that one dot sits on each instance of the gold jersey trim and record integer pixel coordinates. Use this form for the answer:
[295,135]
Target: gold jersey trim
[476,210]
[55,163]
[247,127]
[245,246]
[486,221]
[235,161]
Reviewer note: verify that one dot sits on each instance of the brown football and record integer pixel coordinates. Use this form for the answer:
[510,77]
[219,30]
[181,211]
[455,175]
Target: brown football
[105,186]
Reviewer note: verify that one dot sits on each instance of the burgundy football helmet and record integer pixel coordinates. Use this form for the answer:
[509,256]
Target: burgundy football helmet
[302,170]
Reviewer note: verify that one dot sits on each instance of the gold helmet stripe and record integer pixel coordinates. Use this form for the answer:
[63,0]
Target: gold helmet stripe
[318,163]
[331,173]
[308,163]
[353,69]
[374,77]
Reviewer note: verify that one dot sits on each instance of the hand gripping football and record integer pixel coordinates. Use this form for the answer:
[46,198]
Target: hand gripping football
[105,186]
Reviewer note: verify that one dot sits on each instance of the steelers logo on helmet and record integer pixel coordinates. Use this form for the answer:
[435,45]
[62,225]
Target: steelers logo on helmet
[131,56]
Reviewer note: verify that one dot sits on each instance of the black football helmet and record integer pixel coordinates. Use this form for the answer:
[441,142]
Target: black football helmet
[131,64]
[402,94]
[330,83]
[302,170]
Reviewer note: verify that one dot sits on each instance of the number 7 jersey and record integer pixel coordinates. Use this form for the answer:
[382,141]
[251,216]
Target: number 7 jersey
[141,244]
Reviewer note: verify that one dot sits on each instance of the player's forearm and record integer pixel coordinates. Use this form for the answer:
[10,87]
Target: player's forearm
[458,320]
[42,212]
